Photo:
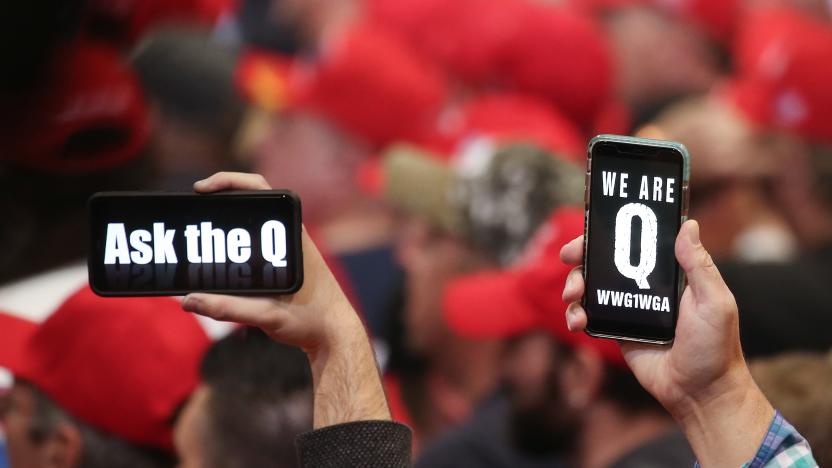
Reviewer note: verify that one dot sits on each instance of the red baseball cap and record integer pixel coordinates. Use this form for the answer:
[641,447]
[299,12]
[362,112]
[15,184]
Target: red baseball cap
[783,72]
[469,38]
[514,117]
[564,57]
[499,118]
[14,333]
[366,82]
[123,366]
[501,304]
[93,117]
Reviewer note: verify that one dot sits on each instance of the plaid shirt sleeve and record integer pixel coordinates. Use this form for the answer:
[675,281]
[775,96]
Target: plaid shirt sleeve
[782,447]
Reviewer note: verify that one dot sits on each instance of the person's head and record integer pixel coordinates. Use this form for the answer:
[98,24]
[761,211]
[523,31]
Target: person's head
[320,133]
[680,61]
[255,398]
[731,176]
[41,434]
[100,383]
[314,20]
[553,400]
[193,128]
[520,46]
[477,212]
[85,132]
[797,384]
[780,86]
[556,380]
[309,155]
[801,188]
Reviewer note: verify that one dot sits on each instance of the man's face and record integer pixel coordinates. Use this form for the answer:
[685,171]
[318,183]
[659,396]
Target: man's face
[430,259]
[17,409]
[541,421]
[679,61]
[190,429]
[305,154]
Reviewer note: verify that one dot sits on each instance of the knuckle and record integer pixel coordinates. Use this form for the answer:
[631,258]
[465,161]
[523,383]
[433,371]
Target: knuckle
[261,181]
[725,303]
[730,301]
[221,310]
[705,260]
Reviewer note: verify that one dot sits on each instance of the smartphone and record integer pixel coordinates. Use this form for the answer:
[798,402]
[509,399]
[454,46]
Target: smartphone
[167,244]
[636,198]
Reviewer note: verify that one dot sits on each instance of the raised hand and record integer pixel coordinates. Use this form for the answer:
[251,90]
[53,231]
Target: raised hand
[702,379]
[318,318]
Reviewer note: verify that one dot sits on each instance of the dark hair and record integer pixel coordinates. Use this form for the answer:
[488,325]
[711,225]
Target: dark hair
[32,35]
[98,449]
[621,387]
[260,400]
[49,213]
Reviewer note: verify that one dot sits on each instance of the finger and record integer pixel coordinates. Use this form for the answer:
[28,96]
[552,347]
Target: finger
[574,288]
[258,312]
[231,181]
[575,317]
[703,277]
[573,252]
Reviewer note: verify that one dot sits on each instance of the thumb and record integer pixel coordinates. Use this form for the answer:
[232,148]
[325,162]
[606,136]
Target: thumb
[703,277]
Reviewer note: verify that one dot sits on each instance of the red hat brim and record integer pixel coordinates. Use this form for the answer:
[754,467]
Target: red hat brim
[488,305]
[15,334]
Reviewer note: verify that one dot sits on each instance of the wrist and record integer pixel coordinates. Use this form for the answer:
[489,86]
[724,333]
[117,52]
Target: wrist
[723,392]
[345,376]
[343,335]
[725,422]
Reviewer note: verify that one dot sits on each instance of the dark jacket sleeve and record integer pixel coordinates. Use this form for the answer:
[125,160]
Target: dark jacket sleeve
[376,444]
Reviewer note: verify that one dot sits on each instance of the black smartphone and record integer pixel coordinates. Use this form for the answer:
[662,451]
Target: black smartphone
[636,198]
[167,244]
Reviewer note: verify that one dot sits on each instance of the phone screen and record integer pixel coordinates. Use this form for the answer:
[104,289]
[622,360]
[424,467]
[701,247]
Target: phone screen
[635,206]
[170,244]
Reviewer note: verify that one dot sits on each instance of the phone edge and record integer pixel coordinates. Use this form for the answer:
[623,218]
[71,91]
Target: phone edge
[298,284]
[684,217]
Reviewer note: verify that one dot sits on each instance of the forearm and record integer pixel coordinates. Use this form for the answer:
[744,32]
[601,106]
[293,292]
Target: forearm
[726,426]
[346,379]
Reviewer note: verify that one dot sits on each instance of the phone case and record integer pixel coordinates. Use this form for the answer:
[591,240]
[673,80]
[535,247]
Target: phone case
[685,204]
[236,193]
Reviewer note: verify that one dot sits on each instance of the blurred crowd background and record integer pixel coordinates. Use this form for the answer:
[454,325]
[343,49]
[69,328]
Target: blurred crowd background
[439,147]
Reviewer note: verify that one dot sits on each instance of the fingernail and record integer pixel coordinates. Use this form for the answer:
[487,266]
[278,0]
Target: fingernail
[569,317]
[693,233]
[191,303]
[200,183]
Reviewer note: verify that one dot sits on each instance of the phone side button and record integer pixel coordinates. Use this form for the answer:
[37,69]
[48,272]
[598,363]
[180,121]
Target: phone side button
[586,189]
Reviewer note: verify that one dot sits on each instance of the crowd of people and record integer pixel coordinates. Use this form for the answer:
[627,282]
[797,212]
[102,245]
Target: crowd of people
[439,150]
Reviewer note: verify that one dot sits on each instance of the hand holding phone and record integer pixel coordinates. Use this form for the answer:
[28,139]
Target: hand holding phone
[318,318]
[702,379]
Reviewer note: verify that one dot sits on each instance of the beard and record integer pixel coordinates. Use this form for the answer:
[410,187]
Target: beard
[547,427]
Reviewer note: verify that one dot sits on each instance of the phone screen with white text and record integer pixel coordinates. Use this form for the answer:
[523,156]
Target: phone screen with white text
[634,214]
[171,244]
